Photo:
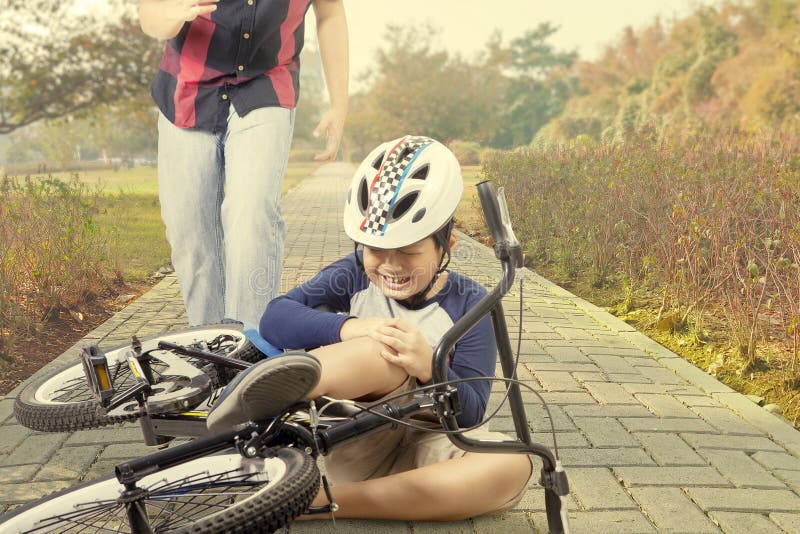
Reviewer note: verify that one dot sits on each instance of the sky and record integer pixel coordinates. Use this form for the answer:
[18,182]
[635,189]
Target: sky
[585,26]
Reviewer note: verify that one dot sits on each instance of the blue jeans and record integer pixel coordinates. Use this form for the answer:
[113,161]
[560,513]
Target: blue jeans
[220,201]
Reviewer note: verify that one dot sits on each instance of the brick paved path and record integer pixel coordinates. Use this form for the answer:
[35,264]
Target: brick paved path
[650,443]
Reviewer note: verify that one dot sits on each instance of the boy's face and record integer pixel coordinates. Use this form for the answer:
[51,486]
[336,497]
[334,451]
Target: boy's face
[403,272]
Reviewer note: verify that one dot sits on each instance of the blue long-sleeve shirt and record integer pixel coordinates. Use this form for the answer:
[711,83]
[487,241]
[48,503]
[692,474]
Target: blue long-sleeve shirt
[291,322]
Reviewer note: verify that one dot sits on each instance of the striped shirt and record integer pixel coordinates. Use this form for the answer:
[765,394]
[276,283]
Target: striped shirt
[245,53]
[291,321]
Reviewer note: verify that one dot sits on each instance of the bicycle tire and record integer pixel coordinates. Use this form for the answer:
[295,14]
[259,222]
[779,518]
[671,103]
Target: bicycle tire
[189,497]
[61,400]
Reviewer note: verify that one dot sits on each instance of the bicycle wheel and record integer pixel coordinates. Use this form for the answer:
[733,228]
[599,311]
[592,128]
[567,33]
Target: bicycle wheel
[62,400]
[217,493]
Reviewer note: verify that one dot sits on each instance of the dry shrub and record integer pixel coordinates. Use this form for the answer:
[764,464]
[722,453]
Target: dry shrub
[710,224]
[54,257]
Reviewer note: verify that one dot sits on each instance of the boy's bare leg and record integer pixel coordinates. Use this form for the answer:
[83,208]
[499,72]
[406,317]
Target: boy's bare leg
[354,369]
[475,484]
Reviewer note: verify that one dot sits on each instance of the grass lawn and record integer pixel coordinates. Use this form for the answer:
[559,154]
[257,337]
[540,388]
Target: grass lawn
[469,216]
[129,208]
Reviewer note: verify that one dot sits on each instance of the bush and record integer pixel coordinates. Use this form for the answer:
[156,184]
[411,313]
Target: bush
[710,224]
[467,152]
[53,255]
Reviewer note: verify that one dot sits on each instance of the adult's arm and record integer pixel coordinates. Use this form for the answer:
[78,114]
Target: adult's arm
[163,19]
[333,48]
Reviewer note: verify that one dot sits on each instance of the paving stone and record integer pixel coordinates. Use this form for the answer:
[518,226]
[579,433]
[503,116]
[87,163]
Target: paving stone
[575,334]
[125,451]
[605,432]
[658,424]
[659,375]
[565,398]
[744,523]
[740,469]
[530,325]
[745,499]
[501,524]
[583,377]
[627,378]
[69,463]
[607,411]
[664,405]
[616,457]
[750,444]
[597,489]
[6,410]
[788,522]
[643,361]
[609,393]
[616,347]
[726,421]
[569,355]
[18,473]
[355,526]
[11,436]
[682,476]
[556,380]
[616,522]
[669,449]
[36,448]
[791,478]
[533,499]
[28,491]
[613,364]
[539,420]
[106,436]
[673,390]
[777,460]
[450,527]
[697,400]
[671,511]
[570,367]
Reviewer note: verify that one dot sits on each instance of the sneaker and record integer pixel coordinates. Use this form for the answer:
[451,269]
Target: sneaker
[265,390]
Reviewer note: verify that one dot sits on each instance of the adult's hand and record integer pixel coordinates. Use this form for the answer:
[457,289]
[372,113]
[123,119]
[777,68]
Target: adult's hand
[331,125]
[163,19]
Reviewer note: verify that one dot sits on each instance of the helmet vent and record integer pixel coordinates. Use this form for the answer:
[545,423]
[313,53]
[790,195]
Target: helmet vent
[403,205]
[378,161]
[405,152]
[418,216]
[363,196]
[421,173]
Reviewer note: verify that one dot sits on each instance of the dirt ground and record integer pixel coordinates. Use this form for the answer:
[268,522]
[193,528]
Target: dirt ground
[32,352]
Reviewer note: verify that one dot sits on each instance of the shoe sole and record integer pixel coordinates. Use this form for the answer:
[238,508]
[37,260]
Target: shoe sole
[267,392]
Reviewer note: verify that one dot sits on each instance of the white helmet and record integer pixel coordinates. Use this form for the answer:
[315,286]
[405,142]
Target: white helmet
[404,191]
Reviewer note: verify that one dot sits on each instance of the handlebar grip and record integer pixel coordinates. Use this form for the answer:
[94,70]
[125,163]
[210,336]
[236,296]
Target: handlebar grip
[491,210]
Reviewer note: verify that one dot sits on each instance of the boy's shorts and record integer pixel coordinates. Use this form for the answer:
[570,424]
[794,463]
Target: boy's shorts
[395,451]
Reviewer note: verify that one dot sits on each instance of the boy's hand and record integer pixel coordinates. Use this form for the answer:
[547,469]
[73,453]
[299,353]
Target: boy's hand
[361,327]
[406,348]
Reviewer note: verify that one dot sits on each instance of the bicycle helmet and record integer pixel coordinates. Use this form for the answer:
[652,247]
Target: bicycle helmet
[404,191]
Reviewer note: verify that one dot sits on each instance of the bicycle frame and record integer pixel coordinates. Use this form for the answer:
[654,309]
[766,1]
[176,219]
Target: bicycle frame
[255,437]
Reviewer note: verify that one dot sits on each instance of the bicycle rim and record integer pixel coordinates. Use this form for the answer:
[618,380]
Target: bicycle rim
[61,399]
[200,495]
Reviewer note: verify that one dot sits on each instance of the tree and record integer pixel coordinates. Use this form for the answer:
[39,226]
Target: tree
[539,84]
[59,59]
[419,89]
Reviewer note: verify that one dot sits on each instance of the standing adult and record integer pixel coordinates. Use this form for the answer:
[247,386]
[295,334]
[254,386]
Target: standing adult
[227,87]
